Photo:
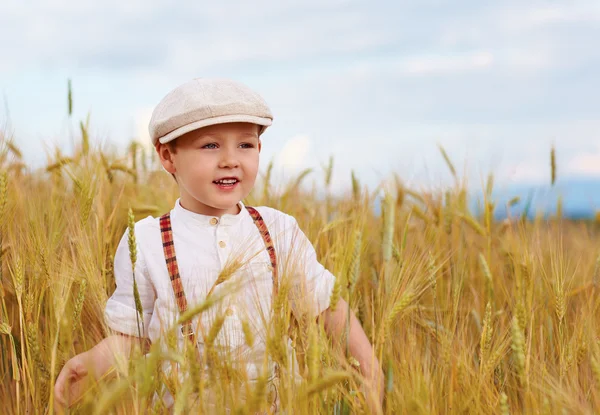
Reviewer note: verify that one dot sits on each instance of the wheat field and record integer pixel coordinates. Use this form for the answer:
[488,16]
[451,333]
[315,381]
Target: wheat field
[466,314]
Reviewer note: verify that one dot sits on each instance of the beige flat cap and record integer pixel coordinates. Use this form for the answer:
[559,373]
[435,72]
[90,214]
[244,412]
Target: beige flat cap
[202,102]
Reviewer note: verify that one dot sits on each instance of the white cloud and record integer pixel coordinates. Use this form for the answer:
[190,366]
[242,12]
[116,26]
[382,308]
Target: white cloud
[444,64]
[293,154]
[195,37]
[578,12]
[525,171]
[142,119]
[585,164]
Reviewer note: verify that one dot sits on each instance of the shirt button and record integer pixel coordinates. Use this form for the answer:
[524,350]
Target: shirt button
[214,221]
[229,312]
[222,244]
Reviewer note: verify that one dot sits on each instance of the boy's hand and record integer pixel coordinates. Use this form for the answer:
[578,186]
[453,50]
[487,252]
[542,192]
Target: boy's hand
[68,387]
[69,384]
[373,392]
[360,348]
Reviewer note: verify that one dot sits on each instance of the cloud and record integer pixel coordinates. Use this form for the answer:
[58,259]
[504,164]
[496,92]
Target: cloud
[293,155]
[116,35]
[448,64]
[585,164]
[578,12]
[142,119]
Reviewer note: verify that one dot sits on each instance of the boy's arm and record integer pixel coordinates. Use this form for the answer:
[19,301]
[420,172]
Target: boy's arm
[359,346]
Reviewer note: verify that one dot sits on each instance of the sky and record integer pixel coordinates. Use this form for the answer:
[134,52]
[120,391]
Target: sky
[378,85]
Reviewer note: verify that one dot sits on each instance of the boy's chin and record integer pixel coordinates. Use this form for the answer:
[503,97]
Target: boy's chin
[225,205]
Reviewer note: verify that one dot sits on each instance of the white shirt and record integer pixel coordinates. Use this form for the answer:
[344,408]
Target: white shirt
[203,246]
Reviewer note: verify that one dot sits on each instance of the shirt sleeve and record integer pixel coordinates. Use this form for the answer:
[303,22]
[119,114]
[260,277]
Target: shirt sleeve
[120,313]
[311,284]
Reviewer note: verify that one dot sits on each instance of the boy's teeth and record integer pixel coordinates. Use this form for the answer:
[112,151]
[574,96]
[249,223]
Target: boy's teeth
[227,181]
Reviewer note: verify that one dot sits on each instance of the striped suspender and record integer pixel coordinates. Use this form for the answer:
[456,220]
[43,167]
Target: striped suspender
[169,250]
[266,236]
[171,260]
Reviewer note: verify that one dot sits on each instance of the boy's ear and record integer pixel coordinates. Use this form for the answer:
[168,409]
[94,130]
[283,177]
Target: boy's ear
[259,145]
[165,156]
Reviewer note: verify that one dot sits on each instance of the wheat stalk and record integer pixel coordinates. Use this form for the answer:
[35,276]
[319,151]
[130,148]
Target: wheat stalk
[448,162]
[595,365]
[518,349]
[18,278]
[28,305]
[181,405]
[248,334]
[329,172]
[388,212]
[226,273]
[354,273]
[12,147]
[132,244]
[63,161]
[355,186]
[472,223]
[489,281]
[79,303]
[336,293]
[215,328]
[85,137]
[260,392]
[419,213]
[5,328]
[493,360]
[504,409]
[3,195]
[596,275]
[267,182]
[401,305]
[485,343]
[560,303]
[34,348]
[327,381]
[552,166]
[69,98]
[313,355]
[124,169]
[133,151]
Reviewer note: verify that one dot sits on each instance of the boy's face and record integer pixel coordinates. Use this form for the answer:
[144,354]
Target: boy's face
[215,166]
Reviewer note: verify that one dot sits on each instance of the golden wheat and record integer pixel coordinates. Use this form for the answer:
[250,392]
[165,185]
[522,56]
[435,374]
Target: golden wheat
[414,287]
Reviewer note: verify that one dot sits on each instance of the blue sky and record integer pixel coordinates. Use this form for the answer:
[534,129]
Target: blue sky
[375,84]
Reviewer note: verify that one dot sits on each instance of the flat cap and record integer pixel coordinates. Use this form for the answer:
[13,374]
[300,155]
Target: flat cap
[202,102]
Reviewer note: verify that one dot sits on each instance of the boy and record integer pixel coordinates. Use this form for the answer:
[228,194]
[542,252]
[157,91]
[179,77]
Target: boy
[207,135]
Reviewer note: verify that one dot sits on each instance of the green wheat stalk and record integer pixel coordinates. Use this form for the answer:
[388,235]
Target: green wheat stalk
[133,256]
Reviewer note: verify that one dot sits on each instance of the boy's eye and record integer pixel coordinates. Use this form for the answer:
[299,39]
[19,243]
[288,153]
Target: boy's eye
[247,145]
[210,145]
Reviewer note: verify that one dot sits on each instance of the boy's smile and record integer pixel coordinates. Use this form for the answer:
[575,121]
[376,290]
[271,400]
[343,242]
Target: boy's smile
[215,166]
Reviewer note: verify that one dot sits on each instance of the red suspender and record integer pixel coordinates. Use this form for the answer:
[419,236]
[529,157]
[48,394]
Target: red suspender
[266,236]
[171,260]
[169,250]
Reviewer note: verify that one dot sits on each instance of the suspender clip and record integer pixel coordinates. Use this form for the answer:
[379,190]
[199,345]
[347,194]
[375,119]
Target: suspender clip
[186,330]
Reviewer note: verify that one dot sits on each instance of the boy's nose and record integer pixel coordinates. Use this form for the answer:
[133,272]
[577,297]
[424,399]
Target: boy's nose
[228,159]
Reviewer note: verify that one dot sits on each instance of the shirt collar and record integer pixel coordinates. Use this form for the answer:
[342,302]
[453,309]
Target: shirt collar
[206,220]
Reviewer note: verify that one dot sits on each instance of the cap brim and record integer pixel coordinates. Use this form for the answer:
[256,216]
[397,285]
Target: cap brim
[265,122]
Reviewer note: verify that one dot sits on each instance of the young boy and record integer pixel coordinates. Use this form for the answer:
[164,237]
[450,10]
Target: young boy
[207,135]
